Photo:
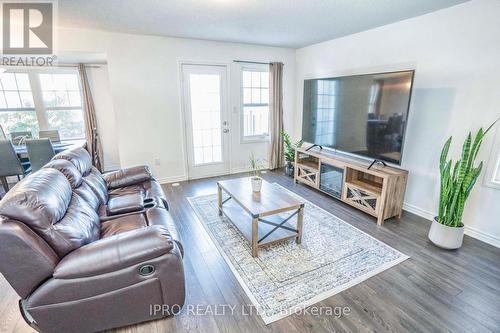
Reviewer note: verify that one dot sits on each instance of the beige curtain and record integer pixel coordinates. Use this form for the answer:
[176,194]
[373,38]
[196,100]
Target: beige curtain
[93,141]
[277,158]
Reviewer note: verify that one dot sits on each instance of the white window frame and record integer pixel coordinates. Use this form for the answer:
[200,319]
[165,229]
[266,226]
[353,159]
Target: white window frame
[494,163]
[36,90]
[252,138]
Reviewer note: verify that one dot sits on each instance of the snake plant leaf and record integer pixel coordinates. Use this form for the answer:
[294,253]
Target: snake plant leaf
[458,179]
[475,147]
[444,153]
[462,171]
[474,175]
[445,187]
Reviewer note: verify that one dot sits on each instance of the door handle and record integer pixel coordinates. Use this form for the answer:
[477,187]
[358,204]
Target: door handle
[225,130]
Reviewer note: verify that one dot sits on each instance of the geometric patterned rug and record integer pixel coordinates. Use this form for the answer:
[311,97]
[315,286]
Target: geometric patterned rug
[287,277]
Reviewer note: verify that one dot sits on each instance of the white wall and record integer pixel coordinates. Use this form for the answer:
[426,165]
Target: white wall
[101,94]
[456,55]
[144,81]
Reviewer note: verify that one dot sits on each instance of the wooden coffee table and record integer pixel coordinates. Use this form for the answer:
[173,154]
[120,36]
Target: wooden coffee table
[255,213]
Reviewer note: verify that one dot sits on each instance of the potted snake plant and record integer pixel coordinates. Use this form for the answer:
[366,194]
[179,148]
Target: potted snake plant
[289,153]
[457,181]
[256,166]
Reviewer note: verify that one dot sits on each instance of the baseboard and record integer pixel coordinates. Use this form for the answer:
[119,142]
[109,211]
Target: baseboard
[173,179]
[240,170]
[484,237]
[418,211]
[469,231]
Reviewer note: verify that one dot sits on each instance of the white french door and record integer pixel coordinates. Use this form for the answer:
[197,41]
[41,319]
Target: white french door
[204,89]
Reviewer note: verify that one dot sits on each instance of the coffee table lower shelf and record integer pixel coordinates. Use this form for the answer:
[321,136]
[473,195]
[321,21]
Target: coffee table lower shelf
[265,234]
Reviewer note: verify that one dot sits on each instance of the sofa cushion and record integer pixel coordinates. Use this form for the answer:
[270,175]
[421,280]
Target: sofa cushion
[88,194]
[46,204]
[79,157]
[39,201]
[67,169]
[115,253]
[122,224]
[97,184]
[80,226]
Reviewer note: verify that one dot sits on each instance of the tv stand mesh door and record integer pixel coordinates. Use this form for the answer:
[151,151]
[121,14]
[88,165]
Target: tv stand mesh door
[378,191]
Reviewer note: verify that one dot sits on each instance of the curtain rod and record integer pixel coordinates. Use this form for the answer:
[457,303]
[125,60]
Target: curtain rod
[253,62]
[58,65]
[76,65]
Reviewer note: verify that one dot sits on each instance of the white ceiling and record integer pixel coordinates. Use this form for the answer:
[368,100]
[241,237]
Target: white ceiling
[285,23]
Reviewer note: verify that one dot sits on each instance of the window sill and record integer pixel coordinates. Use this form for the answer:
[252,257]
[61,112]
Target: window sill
[492,184]
[255,139]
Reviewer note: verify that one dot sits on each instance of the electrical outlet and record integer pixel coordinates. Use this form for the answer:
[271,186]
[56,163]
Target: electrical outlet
[157,161]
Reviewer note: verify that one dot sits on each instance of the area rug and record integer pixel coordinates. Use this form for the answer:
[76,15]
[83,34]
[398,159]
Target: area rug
[287,277]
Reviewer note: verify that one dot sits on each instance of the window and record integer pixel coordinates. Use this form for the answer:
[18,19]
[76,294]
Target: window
[496,177]
[17,110]
[492,178]
[205,115]
[63,104]
[33,100]
[255,108]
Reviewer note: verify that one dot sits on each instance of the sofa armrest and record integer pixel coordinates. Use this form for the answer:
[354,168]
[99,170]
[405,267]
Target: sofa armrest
[115,253]
[128,176]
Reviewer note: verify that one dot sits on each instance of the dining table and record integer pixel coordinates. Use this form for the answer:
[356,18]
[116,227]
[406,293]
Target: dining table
[22,152]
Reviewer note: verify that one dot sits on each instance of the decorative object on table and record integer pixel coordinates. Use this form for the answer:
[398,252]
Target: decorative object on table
[289,153]
[457,181]
[19,138]
[286,277]
[256,166]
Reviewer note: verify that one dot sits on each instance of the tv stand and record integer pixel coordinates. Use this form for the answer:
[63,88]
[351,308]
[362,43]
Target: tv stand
[375,161]
[374,189]
[320,147]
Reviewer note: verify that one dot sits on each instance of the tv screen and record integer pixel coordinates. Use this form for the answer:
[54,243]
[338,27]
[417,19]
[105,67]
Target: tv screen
[361,114]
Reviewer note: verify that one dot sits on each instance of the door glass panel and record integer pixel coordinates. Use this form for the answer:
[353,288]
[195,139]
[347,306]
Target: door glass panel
[205,101]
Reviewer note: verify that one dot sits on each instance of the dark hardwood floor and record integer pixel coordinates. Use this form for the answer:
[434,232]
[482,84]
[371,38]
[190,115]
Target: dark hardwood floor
[433,291]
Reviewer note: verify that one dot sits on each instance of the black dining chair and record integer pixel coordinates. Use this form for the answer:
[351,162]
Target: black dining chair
[40,152]
[10,165]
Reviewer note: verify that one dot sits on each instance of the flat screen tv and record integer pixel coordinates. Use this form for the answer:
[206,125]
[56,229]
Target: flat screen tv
[364,115]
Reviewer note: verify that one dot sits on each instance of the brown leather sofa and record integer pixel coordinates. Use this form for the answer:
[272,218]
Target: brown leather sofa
[87,251]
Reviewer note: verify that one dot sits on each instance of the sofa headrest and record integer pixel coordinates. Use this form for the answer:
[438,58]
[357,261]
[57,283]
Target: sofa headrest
[67,169]
[79,157]
[39,200]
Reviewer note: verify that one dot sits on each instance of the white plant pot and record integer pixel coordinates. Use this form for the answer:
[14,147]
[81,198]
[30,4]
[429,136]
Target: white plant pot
[256,184]
[445,237]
